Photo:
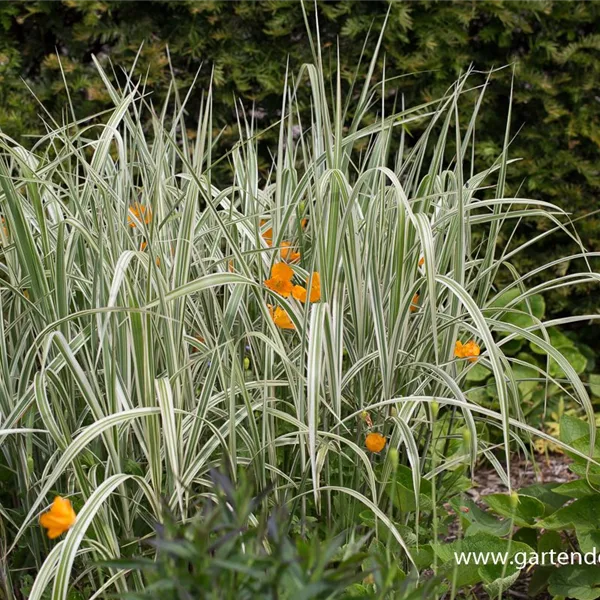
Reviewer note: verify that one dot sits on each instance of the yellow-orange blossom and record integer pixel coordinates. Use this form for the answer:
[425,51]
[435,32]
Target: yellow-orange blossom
[281,279]
[59,518]
[141,212]
[300,292]
[281,318]
[375,442]
[470,350]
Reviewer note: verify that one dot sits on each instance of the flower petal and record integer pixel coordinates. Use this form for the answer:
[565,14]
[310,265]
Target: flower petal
[282,271]
[299,293]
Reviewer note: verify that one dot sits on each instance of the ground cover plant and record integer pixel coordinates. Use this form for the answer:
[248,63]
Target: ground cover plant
[314,332]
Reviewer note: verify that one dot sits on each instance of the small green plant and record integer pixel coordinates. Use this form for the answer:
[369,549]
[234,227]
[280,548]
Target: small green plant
[554,527]
[239,547]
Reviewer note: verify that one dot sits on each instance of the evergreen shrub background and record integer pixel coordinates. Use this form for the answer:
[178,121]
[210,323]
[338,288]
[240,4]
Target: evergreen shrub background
[554,47]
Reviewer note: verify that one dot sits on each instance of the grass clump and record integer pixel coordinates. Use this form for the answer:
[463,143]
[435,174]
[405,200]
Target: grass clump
[301,328]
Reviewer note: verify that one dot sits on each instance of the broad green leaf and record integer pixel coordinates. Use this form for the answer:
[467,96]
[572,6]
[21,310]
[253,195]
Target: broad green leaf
[471,574]
[580,582]
[520,314]
[539,580]
[499,583]
[480,520]
[581,469]
[527,535]
[546,493]
[577,360]
[423,556]
[524,513]
[550,540]
[478,373]
[579,488]
[507,297]
[513,346]
[595,384]
[526,377]
[572,428]
[558,339]
[589,541]
[404,497]
[583,514]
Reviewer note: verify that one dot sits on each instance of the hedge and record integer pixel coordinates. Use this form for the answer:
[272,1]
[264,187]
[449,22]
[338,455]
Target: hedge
[554,49]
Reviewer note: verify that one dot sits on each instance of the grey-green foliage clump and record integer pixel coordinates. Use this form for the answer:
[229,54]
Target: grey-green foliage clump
[140,346]
[244,46]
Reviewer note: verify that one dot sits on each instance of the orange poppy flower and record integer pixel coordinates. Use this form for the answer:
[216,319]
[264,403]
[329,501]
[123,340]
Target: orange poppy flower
[287,253]
[281,279]
[414,306]
[281,318]
[470,350]
[315,287]
[139,212]
[59,518]
[268,234]
[375,442]
[421,261]
[300,292]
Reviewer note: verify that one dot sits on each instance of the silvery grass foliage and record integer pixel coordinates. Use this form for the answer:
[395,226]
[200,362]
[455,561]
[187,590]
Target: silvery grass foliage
[124,379]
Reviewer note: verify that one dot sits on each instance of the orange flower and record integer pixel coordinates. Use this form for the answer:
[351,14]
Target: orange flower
[59,518]
[303,223]
[421,261]
[287,253]
[139,212]
[470,350]
[281,279]
[414,306]
[315,287]
[299,293]
[268,234]
[375,442]
[281,318]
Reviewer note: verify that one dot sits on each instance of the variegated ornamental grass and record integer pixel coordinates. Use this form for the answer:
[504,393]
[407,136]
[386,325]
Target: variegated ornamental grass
[138,348]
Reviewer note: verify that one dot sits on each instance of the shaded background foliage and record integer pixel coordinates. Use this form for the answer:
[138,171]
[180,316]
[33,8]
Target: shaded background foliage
[553,46]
